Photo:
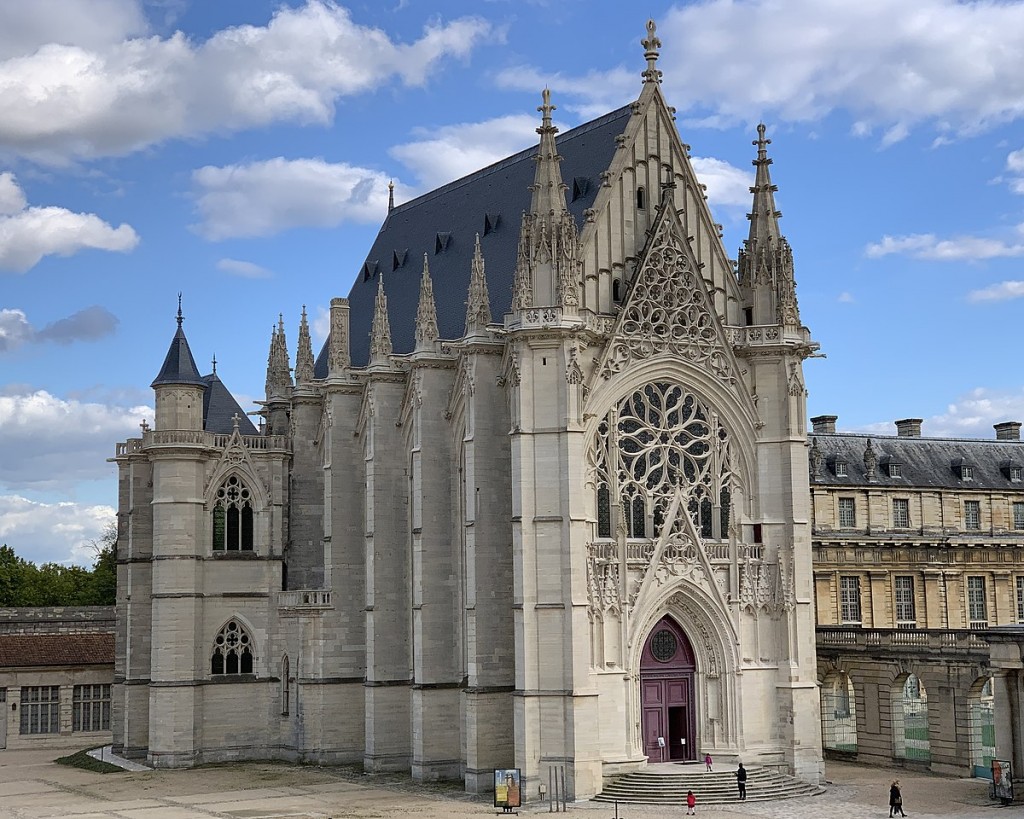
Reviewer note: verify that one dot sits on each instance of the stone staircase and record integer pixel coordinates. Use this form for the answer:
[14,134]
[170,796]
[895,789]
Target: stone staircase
[667,785]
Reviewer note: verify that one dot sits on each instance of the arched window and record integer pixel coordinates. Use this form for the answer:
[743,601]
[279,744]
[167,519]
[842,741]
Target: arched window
[838,714]
[604,512]
[909,703]
[232,651]
[233,517]
[616,290]
[981,721]
[661,438]
[641,198]
[286,698]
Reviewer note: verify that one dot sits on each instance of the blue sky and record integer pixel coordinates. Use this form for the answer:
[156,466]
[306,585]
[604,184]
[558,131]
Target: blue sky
[239,152]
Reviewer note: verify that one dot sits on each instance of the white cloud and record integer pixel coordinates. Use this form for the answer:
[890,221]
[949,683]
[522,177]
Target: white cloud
[91,24]
[270,196]
[890,66]
[928,246]
[70,99]
[1015,166]
[52,443]
[1004,291]
[440,155]
[972,415]
[27,234]
[52,532]
[727,184]
[590,95]
[320,326]
[89,324]
[246,270]
[846,297]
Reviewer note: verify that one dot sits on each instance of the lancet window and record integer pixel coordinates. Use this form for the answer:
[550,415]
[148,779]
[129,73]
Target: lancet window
[660,440]
[232,651]
[233,517]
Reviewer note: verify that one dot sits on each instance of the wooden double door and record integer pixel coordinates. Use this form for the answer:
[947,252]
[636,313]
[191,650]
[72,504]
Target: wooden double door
[668,717]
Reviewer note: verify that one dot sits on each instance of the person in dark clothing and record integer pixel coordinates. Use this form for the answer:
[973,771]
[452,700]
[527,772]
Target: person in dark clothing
[741,781]
[895,798]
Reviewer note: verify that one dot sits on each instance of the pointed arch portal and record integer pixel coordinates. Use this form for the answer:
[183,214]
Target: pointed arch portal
[668,716]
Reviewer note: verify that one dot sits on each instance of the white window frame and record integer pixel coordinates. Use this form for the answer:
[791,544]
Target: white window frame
[40,709]
[977,601]
[840,469]
[1020,598]
[972,514]
[902,520]
[905,605]
[90,707]
[1018,515]
[895,470]
[847,513]
[849,599]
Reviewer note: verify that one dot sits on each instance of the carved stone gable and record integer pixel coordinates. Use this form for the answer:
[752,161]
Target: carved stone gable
[668,310]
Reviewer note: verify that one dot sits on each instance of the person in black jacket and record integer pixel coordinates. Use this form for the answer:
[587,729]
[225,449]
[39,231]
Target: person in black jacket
[741,781]
[895,798]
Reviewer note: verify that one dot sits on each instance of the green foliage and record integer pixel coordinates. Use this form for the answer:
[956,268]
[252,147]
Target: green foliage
[81,759]
[23,583]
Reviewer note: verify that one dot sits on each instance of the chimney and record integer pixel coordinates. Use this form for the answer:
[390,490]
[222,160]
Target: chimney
[909,428]
[825,424]
[1007,431]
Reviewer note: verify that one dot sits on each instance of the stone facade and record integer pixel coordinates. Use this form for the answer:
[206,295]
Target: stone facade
[917,554]
[454,537]
[56,676]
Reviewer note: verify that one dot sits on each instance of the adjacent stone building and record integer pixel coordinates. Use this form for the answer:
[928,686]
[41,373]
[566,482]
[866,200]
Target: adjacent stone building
[918,552]
[542,499]
[56,673]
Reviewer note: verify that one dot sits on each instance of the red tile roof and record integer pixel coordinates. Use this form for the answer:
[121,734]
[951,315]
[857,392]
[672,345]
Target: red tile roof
[25,650]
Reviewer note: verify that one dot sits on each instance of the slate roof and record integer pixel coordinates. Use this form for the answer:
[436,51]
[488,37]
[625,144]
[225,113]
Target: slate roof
[924,462]
[34,650]
[444,224]
[219,407]
[179,366]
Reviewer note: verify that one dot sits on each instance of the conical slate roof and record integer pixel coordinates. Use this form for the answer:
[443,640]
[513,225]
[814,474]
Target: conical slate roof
[179,366]
[444,224]
[220,408]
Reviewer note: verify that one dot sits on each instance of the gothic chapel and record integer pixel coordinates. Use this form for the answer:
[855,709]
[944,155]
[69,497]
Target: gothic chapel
[542,499]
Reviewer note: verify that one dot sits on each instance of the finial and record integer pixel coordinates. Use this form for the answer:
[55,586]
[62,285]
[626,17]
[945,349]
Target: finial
[391,195]
[144,426]
[180,316]
[761,142]
[234,420]
[280,323]
[651,45]
[478,306]
[545,108]
[214,363]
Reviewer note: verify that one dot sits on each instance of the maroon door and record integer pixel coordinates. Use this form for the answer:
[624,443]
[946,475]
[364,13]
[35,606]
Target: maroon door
[668,721]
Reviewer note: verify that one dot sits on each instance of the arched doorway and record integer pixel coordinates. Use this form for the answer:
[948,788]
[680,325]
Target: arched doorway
[666,695]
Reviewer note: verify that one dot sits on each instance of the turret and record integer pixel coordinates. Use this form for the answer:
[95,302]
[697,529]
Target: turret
[380,330]
[178,386]
[304,354]
[426,313]
[279,382]
[766,260]
[478,304]
[548,264]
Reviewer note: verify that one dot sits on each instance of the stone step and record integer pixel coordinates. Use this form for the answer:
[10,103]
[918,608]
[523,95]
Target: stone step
[715,788]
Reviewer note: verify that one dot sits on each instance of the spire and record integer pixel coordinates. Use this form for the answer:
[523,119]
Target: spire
[304,354]
[279,379]
[548,188]
[766,259]
[764,219]
[391,195]
[426,313]
[478,306]
[548,266]
[380,331]
[179,367]
[651,45]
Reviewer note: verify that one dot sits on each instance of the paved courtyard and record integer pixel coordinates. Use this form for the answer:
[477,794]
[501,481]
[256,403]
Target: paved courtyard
[32,786]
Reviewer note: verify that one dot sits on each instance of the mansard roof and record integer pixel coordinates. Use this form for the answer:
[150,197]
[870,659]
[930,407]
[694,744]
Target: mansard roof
[444,224]
[220,407]
[925,463]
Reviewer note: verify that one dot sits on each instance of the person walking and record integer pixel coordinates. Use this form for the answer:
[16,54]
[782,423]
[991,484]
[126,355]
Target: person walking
[895,798]
[691,804]
[741,781]
[707,760]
